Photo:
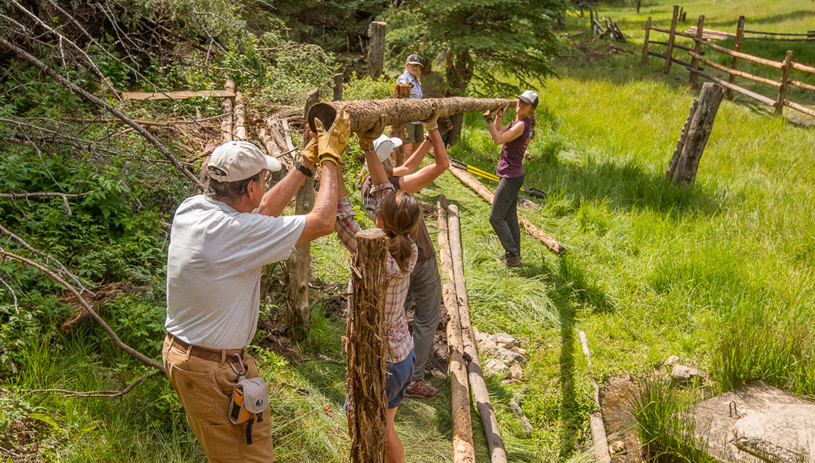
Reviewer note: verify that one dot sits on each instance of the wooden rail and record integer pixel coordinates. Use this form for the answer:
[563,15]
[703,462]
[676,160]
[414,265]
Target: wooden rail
[698,56]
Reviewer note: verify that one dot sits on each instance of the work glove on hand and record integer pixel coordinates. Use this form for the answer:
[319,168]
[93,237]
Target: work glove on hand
[332,142]
[310,152]
[430,123]
[366,138]
[445,125]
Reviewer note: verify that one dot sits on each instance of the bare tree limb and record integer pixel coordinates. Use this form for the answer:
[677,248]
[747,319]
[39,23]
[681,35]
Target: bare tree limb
[97,393]
[133,352]
[13,294]
[99,102]
[212,39]
[45,195]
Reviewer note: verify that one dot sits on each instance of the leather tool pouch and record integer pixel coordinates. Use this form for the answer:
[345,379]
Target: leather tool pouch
[250,398]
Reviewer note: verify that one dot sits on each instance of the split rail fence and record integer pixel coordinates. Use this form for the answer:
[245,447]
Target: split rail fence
[697,56]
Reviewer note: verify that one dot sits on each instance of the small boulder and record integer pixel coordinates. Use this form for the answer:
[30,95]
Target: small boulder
[682,372]
[671,360]
[496,367]
[506,341]
[516,372]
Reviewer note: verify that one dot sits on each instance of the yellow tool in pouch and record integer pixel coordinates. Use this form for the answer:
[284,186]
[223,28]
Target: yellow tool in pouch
[249,400]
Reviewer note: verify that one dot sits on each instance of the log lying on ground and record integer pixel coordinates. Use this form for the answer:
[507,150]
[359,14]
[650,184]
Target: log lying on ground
[367,113]
[463,445]
[598,429]
[367,349]
[530,228]
[180,95]
[481,395]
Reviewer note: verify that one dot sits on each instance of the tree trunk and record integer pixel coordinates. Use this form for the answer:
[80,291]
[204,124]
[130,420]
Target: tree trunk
[298,315]
[366,113]
[481,395]
[698,132]
[463,446]
[376,49]
[459,72]
[367,349]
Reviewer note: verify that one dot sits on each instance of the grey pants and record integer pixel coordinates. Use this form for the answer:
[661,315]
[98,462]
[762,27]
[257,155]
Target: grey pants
[504,214]
[425,291]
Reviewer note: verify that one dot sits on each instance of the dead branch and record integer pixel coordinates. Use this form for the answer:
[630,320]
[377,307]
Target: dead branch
[212,40]
[99,102]
[121,345]
[97,393]
[13,294]
[45,195]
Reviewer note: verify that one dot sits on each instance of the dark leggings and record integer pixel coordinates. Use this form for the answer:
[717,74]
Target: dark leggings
[504,214]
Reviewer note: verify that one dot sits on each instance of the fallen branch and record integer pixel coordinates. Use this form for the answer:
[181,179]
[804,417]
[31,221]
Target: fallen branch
[99,102]
[124,391]
[179,95]
[45,195]
[598,429]
[530,228]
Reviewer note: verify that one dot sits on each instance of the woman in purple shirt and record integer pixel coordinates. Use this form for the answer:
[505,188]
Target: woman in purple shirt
[514,137]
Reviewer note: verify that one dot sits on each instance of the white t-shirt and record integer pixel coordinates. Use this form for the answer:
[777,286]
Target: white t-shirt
[214,264]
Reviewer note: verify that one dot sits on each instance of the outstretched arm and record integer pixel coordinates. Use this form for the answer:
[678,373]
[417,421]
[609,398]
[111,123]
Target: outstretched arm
[503,135]
[413,161]
[414,182]
[276,199]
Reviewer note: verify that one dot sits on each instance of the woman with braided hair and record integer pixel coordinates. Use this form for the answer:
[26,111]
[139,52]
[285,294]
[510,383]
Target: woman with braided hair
[398,216]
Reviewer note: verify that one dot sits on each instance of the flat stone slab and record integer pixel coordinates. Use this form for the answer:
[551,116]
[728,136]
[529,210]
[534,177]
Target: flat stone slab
[757,423]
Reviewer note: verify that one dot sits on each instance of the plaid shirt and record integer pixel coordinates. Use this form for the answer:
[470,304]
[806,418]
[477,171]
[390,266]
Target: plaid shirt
[399,340]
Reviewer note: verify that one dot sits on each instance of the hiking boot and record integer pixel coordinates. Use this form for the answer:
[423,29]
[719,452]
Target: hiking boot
[421,390]
[511,261]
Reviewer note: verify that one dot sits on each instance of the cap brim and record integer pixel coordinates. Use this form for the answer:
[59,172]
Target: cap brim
[272,164]
[417,63]
[397,142]
[526,100]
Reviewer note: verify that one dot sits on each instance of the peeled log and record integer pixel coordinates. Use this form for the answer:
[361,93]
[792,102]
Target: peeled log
[366,113]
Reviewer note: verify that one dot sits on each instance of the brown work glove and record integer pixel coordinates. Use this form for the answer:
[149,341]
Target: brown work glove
[310,152]
[332,142]
[430,123]
[445,124]
[366,138]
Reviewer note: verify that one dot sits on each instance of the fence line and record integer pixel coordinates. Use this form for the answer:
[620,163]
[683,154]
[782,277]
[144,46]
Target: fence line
[698,56]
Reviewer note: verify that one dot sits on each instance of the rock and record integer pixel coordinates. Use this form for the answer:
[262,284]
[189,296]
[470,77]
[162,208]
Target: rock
[519,415]
[479,336]
[496,367]
[487,346]
[515,372]
[506,341]
[519,351]
[508,356]
[683,372]
[671,360]
[616,447]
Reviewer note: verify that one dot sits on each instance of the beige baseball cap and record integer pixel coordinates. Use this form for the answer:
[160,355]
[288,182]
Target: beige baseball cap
[238,160]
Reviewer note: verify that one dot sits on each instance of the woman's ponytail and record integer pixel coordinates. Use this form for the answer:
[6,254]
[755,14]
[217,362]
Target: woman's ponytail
[400,214]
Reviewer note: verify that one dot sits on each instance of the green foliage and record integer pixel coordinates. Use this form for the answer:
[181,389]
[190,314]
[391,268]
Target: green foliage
[297,69]
[503,38]
[365,88]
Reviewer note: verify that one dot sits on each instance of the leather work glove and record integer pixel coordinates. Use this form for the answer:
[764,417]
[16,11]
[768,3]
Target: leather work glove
[332,142]
[310,152]
[366,138]
[445,124]
[430,123]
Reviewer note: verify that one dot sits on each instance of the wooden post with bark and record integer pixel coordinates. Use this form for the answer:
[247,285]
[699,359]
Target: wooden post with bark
[463,445]
[298,313]
[478,386]
[700,27]
[638,6]
[785,79]
[239,118]
[401,91]
[338,86]
[685,161]
[739,38]
[376,49]
[671,36]
[367,349]
[645,42]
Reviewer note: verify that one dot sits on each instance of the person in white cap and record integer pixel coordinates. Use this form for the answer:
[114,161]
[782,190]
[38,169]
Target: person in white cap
[515,136]
[413,66]
[425,282]
[219,243]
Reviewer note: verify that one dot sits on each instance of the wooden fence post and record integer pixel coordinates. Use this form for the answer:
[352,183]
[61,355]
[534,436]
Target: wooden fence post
[367,349]
[338,86]
[398,130]
[645,42]
[638,6]
[698,49]
[782,91]
[376,49]
[298,313]
[226,133]
[739,38]
[669,51]
[685,162]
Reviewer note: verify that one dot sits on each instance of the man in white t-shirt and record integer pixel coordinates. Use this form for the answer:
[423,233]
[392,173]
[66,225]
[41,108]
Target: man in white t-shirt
[219,244]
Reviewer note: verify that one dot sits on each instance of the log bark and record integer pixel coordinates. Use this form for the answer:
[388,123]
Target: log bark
[480,393]
[298,315]
[671,36]
[739,39]
[463,446]
[701,124]
[700,29]
[366,113]
[180,95]
[227,105]
[681,143]
[529,227]
[782,91]
[338,87]
[239,118]
[598,429]
[401,91]
[376,49]
[367,349]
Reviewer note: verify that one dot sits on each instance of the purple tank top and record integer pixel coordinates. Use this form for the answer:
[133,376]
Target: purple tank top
[510,164]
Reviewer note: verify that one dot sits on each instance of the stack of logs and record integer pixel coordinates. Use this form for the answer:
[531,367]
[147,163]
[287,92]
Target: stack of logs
[611,31]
